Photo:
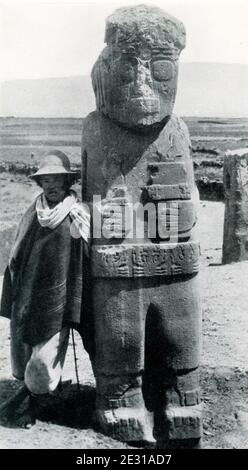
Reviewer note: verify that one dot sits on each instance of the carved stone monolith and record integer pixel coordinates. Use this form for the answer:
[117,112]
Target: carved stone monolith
[235,180]
[145,294]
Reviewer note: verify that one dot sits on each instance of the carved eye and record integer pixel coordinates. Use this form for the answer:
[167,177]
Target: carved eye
[162,70]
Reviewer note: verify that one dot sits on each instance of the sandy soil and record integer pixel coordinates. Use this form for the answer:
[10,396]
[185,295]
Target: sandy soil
[224,369]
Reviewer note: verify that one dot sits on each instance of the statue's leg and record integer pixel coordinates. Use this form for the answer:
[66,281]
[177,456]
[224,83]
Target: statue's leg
[171,382]
[119,310]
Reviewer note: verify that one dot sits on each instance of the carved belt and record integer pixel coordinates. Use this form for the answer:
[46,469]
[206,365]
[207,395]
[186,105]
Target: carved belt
[163,259]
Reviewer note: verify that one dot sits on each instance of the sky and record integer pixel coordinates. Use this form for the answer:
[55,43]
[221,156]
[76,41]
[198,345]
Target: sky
[42,39]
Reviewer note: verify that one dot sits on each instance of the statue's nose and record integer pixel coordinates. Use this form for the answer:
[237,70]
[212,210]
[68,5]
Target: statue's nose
[143,79]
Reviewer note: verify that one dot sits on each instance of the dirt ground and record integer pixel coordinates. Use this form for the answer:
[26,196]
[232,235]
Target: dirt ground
[224,364]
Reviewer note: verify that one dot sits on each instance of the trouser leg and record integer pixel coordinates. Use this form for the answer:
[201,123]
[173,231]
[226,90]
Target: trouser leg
[44,368]
[41,367]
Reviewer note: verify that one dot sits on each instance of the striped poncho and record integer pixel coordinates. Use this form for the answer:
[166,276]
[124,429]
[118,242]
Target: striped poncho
[42,289]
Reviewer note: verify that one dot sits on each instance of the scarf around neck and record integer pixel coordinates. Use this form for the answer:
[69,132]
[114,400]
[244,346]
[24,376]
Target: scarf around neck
[78,212]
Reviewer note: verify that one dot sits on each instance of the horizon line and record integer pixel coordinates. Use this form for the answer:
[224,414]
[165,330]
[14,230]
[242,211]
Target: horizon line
[10,116]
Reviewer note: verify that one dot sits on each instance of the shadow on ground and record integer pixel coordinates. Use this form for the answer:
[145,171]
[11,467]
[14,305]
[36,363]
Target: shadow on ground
[72,406]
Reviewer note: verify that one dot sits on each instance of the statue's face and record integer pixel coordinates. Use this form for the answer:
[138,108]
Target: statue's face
[139,88]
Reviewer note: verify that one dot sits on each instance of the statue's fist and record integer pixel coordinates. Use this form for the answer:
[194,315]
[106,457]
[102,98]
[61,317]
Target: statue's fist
[114,224]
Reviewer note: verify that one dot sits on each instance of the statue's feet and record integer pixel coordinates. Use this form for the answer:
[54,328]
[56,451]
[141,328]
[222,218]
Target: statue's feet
[179,444]
[178,427]
[126,424]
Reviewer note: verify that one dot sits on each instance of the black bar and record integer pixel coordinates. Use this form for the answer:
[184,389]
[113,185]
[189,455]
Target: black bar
[109,458]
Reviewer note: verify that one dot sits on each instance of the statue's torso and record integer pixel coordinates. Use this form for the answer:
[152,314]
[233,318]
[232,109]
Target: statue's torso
[115,156]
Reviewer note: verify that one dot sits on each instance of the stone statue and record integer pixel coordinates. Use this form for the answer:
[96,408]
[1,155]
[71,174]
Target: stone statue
[145,295]
[235,179]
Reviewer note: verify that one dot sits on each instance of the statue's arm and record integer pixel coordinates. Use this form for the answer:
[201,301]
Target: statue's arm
[191,176]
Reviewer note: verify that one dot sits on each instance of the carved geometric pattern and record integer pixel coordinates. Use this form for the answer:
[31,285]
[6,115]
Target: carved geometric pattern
[164,259]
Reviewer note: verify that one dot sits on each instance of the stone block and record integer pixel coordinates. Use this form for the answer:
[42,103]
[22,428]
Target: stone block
[235,179]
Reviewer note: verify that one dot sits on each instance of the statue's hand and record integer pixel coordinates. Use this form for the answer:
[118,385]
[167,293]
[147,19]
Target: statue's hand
[113,218]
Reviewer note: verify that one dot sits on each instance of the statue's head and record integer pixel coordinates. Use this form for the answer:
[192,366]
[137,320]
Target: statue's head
[135,76]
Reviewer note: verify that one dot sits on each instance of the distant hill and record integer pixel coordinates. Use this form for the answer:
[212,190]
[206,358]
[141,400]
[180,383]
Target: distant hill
[204,89]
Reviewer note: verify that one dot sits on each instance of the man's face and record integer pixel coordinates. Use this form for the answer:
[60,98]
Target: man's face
[53,187]
[140,88]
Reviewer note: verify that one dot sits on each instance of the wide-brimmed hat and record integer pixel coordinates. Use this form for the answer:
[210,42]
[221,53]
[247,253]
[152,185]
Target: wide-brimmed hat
[53,163]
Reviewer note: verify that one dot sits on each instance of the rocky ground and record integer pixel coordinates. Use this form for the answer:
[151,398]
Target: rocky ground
[224,365]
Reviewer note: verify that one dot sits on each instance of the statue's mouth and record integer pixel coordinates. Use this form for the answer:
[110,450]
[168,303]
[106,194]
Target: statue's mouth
[144,105]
